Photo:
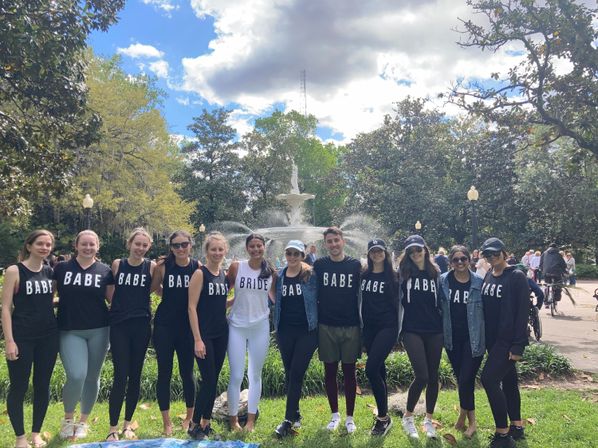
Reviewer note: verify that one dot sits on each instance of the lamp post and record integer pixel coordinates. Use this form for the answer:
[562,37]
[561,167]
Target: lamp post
[473,195]
[87,205]
[418,227]
[202,230]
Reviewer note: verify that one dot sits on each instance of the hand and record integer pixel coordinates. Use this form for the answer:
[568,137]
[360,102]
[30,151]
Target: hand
[200,349]
[12,351]
[515,358]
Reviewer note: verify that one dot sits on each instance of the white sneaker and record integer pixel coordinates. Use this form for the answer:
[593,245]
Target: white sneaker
[409,427]
[81,430]
[67,428]
[429,428]
[334,422]
[351,426]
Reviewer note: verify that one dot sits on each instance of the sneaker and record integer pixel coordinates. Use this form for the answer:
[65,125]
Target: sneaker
[409,427]
[502,441]
[429,428]
[517,432]
[284,429]
[334,422]
[67,429]
[350,425]
[81,430]
[196,433]
[297,421]
[381,427]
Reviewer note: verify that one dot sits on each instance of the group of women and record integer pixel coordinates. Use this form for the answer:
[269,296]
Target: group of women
[458,310]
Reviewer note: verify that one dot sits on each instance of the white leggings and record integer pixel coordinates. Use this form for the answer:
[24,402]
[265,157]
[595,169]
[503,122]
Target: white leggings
[255,341]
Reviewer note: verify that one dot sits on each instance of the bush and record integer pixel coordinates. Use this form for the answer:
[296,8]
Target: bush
[586,271]
[541,358]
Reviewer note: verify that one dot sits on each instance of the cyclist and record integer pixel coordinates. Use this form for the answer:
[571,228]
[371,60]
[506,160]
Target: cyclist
[533,286]
[553,268]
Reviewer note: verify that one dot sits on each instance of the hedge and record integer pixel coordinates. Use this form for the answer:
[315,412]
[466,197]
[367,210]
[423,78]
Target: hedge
[538,359]
[586,271]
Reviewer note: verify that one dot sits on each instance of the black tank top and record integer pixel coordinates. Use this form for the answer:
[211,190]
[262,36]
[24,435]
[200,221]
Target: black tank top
[211,308]
[33,315]
[132,287]
[172,310]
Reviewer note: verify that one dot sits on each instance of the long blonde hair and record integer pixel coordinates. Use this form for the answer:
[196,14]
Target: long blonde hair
[24,252]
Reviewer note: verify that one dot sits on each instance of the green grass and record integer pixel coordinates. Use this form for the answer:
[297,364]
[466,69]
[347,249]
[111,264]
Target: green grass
[562,419]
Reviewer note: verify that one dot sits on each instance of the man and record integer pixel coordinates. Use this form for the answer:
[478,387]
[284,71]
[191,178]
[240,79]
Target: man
[339,322]
[553,267]
[570,261]
[441,260]
[311,256]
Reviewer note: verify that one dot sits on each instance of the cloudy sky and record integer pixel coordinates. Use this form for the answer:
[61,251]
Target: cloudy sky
[359,56]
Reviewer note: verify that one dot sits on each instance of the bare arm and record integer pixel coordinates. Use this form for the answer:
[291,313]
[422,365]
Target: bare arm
[231,277]
[272,291]
[11,284]
[157,277]
[195,287]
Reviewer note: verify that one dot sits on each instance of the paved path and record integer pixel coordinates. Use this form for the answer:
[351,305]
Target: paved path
[575,331]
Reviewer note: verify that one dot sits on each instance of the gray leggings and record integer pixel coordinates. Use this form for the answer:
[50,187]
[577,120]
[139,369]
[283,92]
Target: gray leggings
[82,353]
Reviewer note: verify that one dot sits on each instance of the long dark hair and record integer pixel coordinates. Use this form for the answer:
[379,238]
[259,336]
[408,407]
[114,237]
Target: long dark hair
[407,268]
[391,278]
[168,260]
[459,248]
[266,268]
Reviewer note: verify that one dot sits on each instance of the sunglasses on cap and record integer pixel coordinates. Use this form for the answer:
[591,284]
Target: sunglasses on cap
[414,249]
[292,253]
[491,253]
[183,245]
[460,259]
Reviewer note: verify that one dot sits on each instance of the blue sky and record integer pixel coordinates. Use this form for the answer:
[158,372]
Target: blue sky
[247,55]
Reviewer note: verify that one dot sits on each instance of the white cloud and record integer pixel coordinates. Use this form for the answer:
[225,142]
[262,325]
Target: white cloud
[167,6]
[160,68]
[360,57]
[140,51]
[182,101]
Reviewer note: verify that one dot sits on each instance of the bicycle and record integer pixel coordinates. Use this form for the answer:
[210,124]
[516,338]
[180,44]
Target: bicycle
[549,296]
[534,323]
[596,297]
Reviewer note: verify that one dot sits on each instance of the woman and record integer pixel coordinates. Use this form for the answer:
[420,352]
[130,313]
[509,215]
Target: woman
[380,309]
[84,286]
[30,332]
[172,332]
[249,330]
[463,323]
[208,292]
[505,294]
[130,329]
[295,323]
[421,329]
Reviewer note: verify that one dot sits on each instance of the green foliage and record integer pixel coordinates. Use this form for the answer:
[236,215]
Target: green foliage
[586,271]
[541,358]
[44,118]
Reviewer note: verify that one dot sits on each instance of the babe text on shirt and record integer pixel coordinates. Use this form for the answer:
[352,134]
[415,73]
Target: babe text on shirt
[456,297]
[131,279]
[217,289]
[38,287]
[334,280]
[80,279]
[178,281]
[492,290]
[372,286]
[420,284]
[291,290]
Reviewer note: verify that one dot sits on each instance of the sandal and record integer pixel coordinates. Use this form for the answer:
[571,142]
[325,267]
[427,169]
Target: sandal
[129,433]
[112,437]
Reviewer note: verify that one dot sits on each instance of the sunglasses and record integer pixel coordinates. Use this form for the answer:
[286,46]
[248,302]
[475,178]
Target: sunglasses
[460,259]
[292,254]
[415,249]
[184,245]
[491,253]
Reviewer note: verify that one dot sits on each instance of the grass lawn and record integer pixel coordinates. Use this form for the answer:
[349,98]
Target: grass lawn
[556,418]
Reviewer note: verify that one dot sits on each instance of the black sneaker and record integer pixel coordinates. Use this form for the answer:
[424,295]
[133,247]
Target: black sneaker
[381,427]
[517,432]
[502,441]
[284,429]
[196,433]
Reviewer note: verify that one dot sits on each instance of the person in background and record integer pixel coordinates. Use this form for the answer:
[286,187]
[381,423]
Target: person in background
[464,334]
[421,331]
[512,259]
[570,261]
[534,265]
[441,260]
[475,256]
[525,260]
[30,334]
[505,294]
[311,256]
[553,268]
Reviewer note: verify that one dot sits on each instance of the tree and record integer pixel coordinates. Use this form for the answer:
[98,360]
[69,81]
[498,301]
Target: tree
[211,176]
[555,85]
[44,118]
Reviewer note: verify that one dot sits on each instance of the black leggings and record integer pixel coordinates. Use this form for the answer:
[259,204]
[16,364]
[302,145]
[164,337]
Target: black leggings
[167,341]
[210,368]
[504,401]
[297,346]
[41,355]
[128,344]
[424,351]
[350,382]
[465,367]
[378,344]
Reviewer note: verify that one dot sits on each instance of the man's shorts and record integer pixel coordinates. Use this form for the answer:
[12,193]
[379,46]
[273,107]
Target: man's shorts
[339,343]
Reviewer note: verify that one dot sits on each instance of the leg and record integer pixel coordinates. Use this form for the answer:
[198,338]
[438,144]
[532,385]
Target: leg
[236,358]
[455,357]
[257,350]
[510,387]
[350,383]
[330,370]
[286,339]
[184,352]
[304,349]
[19,372]
[207,386]
[433,344]
[378,350]
[121,355]
[97,347]
[414,346]
[138,342]
[496,367]
[46,351]
[74,356]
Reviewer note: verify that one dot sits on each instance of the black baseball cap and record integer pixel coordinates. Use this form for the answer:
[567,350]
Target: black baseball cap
[493,245]
[414,240]
[376,244]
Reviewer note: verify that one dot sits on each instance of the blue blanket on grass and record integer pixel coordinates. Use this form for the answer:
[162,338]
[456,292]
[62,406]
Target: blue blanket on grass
[169,443]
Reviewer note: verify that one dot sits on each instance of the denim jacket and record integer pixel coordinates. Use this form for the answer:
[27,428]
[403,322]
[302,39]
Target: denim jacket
[309,290]
[475,314]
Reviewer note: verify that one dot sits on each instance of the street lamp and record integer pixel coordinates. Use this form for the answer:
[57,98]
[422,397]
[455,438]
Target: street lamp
[202,230]
[418,226]
[473,195]
[87,205]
